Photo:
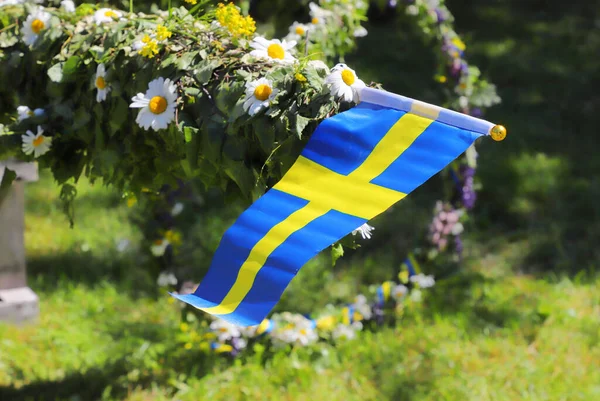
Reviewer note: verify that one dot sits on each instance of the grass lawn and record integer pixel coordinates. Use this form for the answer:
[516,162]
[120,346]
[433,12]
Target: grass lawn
[487,334]
[521,323]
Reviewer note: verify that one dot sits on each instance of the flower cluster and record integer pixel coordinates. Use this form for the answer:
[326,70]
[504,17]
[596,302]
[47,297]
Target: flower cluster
[149,45]
[287,329]
[159,103]
[472,93]
[229,16]
[446,223]
[332,24]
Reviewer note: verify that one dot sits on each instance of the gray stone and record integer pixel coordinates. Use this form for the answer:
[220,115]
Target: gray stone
[18,305]
[17,302]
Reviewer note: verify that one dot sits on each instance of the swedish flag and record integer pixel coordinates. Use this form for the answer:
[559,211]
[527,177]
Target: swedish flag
[355,166]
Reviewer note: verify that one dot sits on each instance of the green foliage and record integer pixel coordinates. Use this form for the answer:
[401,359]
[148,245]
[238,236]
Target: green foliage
[212,138]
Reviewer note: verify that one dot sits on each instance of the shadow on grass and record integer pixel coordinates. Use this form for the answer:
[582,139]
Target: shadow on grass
[87,268]
[117,378]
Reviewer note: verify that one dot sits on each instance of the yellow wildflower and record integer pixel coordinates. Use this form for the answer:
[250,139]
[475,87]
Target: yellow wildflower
[184,327]
[229,17]
[459,44]
[403,276]
[131,201]
[150,48]
[218,45]
[326,323]
[299,77]
[174,237]
[192,2]
[162,33]
[188,346]
[441,78]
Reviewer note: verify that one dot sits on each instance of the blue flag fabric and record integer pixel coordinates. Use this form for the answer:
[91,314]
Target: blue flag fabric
[355,166]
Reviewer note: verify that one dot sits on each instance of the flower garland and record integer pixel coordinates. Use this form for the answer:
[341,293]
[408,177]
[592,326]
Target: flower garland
[212,102]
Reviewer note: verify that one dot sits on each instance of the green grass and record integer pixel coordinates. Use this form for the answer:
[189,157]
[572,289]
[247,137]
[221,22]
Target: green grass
[487,334]
[521,323]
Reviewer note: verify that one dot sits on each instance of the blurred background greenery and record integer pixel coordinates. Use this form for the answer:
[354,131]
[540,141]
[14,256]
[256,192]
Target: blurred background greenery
[522,321]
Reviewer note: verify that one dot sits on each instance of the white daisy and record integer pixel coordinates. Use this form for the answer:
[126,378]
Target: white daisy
[471,155]
[105,15]
[399,292]
[361,306]
[10,2]
[305,335]
[38,144]
[346,332]
[35,23]
[166,279]
[100,83]
[457,229]
[422,280]
[224,330]
[68,5]
[159,247]
[274,50]
[293,329]
[259,94]
[157,105]
[360,32]
[364,230]
[298,31]
[25,112]
[318,14]
[412,10]
[177,209]
[344,83]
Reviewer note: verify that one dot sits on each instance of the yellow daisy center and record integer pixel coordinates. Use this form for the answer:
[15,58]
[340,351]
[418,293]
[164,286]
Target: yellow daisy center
[262,92]
[348,77]
[276,51]
[300,30]
[315,21]
[110,14]
[158,105]
[303,332]
[38,141]
[100,83]
[37,25]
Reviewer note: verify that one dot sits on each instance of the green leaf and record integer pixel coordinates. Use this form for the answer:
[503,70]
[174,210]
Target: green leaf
[184,61]
[189,133]
[67,195]
[70,66]
[337,251]
[81,118]
[240,174]
[204,70]
[299,124]
[55,73]
[265,133]
[119,114]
